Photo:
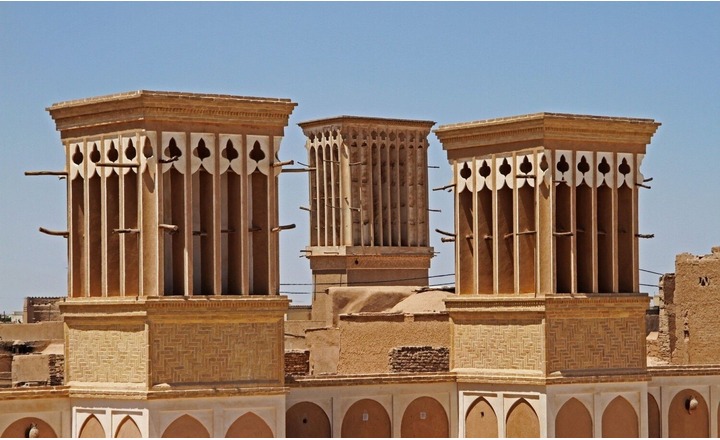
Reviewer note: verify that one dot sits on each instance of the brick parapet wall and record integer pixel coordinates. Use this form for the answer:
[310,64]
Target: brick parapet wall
[425,359]
[297,363]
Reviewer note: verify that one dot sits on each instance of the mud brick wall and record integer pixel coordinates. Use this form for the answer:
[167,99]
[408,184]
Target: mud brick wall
[56,365]
[419,359]
[41,310]
[297,363]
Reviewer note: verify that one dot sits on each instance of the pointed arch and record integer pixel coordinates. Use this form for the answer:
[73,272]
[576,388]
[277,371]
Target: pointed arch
[573,420]
[481,420]
[186,426]
[522,421]
[20,428]
[92,428]
[306,419]
[683,421]
[425,417]
[619,420]
[366,418]
[249,425]
[128,429]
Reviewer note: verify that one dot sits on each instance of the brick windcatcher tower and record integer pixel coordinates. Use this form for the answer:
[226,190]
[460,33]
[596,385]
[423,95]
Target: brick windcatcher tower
[368,201]
[546,226]
[173,247]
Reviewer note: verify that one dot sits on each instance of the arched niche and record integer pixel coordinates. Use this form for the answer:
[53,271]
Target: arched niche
[522,421]
[654,421]
[249,425]
[366,418]
[480,420]
[425,417]
[688,415]
[306,419]
[128,429]
[92,428]
[21,428]
[573,420]
[186,426]
[619,420]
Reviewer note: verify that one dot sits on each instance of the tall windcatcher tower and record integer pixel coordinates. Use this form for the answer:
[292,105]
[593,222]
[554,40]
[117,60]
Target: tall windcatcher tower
[368,201]
[173,252]
[546,242]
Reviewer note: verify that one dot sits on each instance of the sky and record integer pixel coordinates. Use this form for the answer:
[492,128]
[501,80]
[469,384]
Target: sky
[445,62]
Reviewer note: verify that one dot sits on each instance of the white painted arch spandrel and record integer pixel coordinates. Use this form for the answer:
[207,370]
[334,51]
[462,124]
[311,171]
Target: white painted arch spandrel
[523,161]
[207,163]
[462,183]
[263,165]
[76,153]
[625,160]
[502,163]
[107,145]
[125,142]
[584,160]
[236,162]
[482,166]
[605,160]
[148,139]
[164,152]
[563,166]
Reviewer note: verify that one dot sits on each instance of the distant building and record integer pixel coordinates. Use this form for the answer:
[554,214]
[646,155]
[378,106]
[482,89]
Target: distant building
[173,325]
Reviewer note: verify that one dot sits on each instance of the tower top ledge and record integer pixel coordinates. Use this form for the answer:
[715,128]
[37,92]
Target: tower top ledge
[365,120]
[143,108]
[549,130]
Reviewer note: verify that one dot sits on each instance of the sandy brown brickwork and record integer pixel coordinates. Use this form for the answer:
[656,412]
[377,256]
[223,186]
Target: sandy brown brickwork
[596,332]
[596,343]
[690,310]
[216,352]
[109,354]
[366,339]
[499,344]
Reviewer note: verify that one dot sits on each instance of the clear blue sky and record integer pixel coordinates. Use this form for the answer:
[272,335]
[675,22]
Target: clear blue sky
[444,62]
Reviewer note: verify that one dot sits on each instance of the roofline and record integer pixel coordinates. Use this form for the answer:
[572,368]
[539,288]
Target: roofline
[367,119]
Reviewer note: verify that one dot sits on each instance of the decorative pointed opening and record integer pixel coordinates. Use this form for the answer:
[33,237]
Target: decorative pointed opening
[95,154]
[544,163]
[485,169]
[130,151]
[526,166]
[603,166]
[562,165]
[505,168]
[148,149]
[230,153]
[77,156]
[257,153]
[172,149]
[465,171]
[583,166]
[113,153]
[624,168]
[201,151]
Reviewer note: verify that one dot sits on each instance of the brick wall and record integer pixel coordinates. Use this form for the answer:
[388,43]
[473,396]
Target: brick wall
[56,365]
[425,359]
[41,310]
[297,363]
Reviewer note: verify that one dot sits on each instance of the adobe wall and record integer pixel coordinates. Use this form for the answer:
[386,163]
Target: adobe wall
[367,339]
[41,310]
[692,310]
[41,331]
